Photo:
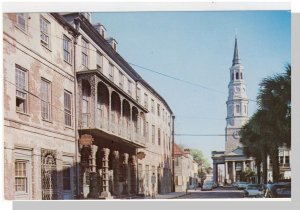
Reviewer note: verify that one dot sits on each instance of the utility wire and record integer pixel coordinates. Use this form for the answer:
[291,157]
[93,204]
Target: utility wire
[147,69]
[183,134]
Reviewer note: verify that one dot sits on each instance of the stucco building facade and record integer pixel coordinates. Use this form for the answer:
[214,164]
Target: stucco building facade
[75,107]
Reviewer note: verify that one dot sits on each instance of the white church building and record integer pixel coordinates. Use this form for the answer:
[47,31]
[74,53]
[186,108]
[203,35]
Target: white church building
[237,115]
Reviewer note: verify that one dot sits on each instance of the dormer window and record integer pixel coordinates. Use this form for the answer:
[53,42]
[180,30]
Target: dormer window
[113,43]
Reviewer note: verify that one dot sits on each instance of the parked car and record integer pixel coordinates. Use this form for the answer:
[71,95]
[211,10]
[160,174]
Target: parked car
[242,185]
[207,186]
[278,190]
[254,190]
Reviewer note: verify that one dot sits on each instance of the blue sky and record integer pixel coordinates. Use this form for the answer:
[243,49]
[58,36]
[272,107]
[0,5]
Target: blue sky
[198,47]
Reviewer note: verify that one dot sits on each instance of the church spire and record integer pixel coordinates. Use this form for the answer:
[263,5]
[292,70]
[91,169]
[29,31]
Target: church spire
[236,59]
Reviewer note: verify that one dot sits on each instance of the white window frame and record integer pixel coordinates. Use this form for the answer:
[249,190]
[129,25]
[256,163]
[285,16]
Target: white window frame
[84,52]
[111,71]
[121,79]
[21,16]
[153,134]
[152,106]
[45,29]
[23,155]
[22,89]
[146,100]
[99,60]
[46,100]
[129,87]
[67,49]
[68,108]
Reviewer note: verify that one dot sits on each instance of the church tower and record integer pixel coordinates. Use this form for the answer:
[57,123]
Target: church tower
[237,103]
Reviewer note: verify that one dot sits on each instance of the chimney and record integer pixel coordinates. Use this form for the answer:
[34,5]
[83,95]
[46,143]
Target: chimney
[113,43]
[101,29]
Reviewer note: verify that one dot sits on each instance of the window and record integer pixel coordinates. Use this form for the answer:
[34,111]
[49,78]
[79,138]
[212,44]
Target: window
[45,32]
[237,108]
[138,95]
[99,60]
[129,87]
[84,52]
[237,75]
[21,90]
[66,177]
[241,75]
[121,79]
[281,159]
[45,99]
[158,110]
[287,159]
[21,176]
[153,134]
[22,21]
[67,49]
[68,108]
[146,100]
[111,72]
[158,135]
[152,106]
[147,131]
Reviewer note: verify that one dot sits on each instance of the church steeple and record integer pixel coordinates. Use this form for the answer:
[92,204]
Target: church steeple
[236,59]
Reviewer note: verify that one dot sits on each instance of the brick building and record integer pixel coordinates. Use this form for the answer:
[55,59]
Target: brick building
[80,122]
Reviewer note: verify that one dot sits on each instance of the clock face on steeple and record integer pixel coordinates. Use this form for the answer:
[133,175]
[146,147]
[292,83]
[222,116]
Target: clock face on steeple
[236,134]
[237,89]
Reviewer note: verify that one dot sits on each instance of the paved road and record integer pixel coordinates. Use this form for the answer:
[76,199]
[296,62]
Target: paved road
[215,193]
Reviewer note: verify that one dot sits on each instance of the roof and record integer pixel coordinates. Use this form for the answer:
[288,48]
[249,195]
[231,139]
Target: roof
[102,42]
[236,59]
[178,151]
[237,152]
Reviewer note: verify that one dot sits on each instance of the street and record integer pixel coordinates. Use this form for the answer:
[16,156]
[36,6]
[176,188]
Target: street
[215,193]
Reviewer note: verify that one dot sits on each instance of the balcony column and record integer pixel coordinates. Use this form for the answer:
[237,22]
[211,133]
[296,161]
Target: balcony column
[105,174]
[244,165]
[133,174]
[93,174]
[116,169]
[130,126]
[125,166]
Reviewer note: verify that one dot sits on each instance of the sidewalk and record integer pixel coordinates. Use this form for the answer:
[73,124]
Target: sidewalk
[172,195]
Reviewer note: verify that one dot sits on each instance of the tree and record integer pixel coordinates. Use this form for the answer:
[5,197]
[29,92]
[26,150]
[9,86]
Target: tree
[270,126]
[275,99]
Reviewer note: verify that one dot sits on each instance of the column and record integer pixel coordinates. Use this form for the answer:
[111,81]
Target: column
[226,172]
[93,174]
[125,165]
[116,168]
[244,165]
[215,172]
[105,176]
[233,171]
[133,174]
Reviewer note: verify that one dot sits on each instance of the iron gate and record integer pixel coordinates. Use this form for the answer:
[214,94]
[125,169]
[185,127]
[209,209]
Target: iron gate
[49,175]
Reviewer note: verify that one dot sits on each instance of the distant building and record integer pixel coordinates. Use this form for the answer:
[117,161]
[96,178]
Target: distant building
[185,170]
